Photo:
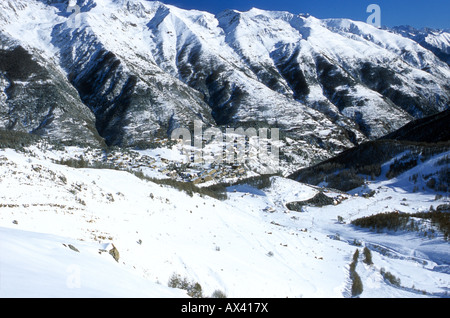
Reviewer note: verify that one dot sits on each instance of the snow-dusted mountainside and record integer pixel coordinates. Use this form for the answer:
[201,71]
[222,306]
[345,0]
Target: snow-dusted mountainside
[143,68]
[437,41]
[36,98]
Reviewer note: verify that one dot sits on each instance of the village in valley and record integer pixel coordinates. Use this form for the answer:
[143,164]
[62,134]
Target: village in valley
[166,161]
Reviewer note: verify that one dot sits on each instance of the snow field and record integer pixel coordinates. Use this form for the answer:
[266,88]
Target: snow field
[249,245]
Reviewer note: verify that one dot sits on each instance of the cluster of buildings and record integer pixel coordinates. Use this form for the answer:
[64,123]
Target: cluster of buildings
[197,173]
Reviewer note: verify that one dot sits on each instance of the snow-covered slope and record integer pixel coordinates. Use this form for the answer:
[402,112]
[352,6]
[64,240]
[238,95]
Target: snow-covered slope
[145,68]
[58,226]
[37,265]
[437,41]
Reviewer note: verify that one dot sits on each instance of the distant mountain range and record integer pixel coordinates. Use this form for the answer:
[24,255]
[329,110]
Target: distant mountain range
[437,41]
[122,72]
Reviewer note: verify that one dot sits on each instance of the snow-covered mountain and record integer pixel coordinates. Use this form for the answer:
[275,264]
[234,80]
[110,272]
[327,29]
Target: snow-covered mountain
[142,68]
[363,114]
[437,41]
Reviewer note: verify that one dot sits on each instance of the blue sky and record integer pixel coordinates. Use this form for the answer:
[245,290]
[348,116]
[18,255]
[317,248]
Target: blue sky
[418,13]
